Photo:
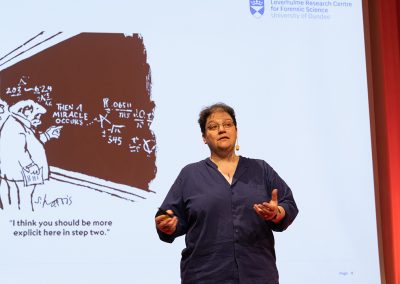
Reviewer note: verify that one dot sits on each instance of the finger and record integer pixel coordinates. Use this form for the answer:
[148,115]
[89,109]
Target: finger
[274,195]
[174,223]
[266,210]
[163,225]
[265,207]
[166,213]
[168,222]
[168,226]
[261,214]
[257,207]
[269,206]
[258,210]
[161,218]
[264,214]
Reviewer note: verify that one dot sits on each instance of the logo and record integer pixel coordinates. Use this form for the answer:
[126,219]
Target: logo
[257,8]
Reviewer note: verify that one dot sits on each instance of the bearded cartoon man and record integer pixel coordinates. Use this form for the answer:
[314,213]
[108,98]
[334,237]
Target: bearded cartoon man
[22,154]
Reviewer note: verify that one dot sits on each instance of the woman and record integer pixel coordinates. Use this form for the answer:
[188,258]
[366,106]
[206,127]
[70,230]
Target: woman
[227,206]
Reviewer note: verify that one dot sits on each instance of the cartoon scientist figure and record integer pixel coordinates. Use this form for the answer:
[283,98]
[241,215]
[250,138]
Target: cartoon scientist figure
[23,162]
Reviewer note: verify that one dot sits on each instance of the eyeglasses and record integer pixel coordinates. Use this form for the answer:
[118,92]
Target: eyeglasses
[215,126]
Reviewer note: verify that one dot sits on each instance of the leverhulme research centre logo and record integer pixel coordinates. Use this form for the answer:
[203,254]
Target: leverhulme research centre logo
[257,8]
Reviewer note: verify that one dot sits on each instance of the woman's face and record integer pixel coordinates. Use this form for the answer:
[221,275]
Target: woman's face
[220,133]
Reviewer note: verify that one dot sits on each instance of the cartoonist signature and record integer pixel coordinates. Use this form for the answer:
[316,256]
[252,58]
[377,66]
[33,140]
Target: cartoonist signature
[57,202]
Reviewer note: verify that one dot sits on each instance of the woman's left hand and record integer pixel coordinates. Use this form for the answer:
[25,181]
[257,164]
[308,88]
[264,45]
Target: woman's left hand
[270,211]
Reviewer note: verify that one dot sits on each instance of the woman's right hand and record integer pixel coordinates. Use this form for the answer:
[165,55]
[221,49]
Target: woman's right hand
[166,224]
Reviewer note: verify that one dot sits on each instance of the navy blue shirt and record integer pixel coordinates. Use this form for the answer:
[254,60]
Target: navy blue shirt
[226,241]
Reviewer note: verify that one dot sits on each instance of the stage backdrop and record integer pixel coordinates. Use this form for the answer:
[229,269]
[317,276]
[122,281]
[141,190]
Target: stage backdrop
[119,87]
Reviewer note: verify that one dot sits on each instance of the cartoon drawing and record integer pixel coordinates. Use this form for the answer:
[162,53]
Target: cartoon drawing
[103,104]
[23,157]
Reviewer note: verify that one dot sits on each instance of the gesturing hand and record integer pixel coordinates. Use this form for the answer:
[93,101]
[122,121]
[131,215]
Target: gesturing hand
[270,211]
[53,132]
[166,223]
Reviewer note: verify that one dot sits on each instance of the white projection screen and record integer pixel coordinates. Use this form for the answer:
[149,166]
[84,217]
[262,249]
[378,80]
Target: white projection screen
[122,84]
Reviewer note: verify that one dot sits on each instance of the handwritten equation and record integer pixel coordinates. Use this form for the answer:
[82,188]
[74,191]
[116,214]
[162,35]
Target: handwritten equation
[42,92]
[121,123]
[126,110]
[127,132]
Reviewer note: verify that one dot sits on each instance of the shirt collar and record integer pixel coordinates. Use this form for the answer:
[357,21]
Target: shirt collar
[242,167]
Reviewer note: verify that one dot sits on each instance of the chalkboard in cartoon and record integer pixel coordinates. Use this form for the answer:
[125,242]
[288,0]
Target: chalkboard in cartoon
[78,112]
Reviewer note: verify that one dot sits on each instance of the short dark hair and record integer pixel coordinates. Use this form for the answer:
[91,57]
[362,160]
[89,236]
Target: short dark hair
[207,111]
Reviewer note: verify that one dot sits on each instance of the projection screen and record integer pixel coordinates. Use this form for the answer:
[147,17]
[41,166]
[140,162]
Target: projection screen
[120,85]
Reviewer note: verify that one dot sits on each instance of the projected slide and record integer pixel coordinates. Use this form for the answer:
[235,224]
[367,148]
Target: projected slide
[98,115]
